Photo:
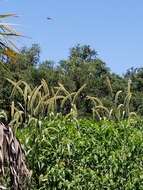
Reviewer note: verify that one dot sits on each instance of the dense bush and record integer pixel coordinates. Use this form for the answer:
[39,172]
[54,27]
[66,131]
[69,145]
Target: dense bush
[82,154]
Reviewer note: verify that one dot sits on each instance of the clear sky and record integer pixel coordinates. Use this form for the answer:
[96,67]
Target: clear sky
[112,27]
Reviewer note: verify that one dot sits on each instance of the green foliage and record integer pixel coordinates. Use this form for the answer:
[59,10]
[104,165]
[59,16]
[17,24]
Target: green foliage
[67,154]
[82,67]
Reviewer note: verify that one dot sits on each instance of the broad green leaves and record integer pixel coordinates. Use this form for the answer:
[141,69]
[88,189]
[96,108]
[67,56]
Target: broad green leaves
[82,154]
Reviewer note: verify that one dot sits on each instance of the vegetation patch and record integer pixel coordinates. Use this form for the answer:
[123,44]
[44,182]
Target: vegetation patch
[83,154]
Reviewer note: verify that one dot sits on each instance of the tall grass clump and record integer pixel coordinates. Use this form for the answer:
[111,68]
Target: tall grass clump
[35,103]
[118,110]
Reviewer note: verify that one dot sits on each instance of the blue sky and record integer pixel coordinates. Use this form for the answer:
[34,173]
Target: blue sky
[114,28]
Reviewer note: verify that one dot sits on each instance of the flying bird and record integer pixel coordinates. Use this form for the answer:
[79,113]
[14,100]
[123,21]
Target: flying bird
[49,18]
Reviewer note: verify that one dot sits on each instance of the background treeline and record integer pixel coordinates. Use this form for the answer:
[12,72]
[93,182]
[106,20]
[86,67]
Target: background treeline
[81,67]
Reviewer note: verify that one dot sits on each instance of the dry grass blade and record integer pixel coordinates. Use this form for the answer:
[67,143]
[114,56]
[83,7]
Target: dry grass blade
[109,85]
[73,113]
[8,30]
[127,103]
[103,108]
[119,111]
[6,33]
[129,86]
[94,111]
[95,100]
[117,97]
[34,96]
[30,95]
[12,109]
[62,88]
[45,87]
[16,86]
[68,97]
[39,107]
[111,113]
[51,103]
[7,15]
[77,93]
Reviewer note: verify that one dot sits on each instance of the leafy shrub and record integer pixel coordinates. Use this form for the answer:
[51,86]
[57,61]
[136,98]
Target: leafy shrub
[82,154]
